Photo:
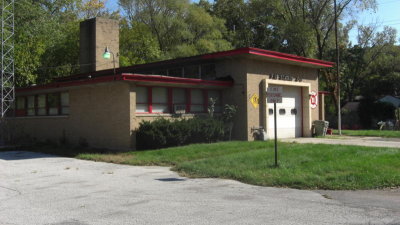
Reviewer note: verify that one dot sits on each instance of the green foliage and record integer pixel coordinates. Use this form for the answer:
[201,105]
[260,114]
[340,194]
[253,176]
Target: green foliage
[229,113]
[179,28]
[371,112]
[137,44]
[47,37]
[163,133]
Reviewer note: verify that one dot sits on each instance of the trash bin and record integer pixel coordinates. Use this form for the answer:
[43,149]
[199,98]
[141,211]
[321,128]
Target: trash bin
[320,127]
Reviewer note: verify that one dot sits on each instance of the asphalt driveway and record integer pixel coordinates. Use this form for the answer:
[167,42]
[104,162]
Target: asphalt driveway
[44,189]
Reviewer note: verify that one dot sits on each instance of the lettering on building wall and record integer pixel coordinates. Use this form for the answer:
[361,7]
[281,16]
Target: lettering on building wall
[285,77]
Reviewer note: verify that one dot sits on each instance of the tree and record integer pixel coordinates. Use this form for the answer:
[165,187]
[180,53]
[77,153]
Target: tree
[138,45]
[358,59]
[180,28]
[47,37]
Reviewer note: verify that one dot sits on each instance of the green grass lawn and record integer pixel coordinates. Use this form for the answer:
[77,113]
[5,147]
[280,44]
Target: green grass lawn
[303,166]
[372,133]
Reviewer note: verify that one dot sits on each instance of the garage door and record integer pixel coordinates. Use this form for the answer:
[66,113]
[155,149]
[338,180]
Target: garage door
[289,114]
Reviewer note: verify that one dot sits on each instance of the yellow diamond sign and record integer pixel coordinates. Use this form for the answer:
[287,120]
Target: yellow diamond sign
[254,100]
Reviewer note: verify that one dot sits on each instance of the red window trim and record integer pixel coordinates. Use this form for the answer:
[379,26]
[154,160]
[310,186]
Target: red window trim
[24,112]
[170,103]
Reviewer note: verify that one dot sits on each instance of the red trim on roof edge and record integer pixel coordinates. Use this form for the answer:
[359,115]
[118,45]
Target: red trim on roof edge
[174,80]
[239,51]
[325,92]
[289,57]
[129,77]
[269,54]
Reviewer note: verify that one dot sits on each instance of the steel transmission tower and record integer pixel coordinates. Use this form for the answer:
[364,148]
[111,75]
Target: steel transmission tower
[7,56]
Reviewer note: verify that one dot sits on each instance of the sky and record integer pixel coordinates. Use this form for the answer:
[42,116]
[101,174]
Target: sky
[387,13]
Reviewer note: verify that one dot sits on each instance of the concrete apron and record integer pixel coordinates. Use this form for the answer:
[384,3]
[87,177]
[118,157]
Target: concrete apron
[350,140]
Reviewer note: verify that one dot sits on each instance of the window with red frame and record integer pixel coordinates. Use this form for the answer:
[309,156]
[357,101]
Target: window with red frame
[20,109]
[142,100]
[166,100]
[51,104]
[197,100]
[31,106]
[159,100]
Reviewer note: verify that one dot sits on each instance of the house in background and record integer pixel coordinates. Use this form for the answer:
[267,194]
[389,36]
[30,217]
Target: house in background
[103,106]
[391,100]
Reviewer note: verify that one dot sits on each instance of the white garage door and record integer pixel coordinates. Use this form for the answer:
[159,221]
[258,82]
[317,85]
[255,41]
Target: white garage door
[289,116]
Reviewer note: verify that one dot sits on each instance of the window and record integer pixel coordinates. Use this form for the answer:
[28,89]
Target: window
[192,72]
[208,72]
[166,100]
[197,101]
[216,96]
[31,106]
[41,107]
[179,99]
[175,72]
[21,106]
[270,112]
[142,100]
[293,111]
[160,100]
[282,111]
[65,103]
[53,103]
[160,72]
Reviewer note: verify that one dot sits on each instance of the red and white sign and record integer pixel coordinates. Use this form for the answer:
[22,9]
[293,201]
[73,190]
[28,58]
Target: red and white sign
[313,99]
[274,94]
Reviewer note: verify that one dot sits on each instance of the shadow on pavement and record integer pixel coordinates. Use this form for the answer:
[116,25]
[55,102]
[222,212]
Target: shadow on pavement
[21,155]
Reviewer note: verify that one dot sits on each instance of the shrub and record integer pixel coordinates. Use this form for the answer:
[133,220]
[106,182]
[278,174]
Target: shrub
[163,133]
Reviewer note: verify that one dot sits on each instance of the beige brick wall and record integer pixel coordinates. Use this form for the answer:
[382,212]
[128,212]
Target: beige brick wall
[95,35]
[98,113]
[236,95]
[260,70]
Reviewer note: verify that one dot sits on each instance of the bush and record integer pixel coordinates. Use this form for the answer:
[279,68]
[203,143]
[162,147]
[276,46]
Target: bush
[163,133]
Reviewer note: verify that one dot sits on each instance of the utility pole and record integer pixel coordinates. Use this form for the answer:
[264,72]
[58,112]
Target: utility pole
[337,70]
[7,89]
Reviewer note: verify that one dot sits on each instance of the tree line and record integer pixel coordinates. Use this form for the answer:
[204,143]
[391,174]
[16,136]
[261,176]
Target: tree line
[47,36]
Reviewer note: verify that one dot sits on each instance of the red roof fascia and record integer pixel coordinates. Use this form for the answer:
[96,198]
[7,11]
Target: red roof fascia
[289,57]
[269,54]
[325,92]
[70,83]
[240,51]
[129,77]
[174,80]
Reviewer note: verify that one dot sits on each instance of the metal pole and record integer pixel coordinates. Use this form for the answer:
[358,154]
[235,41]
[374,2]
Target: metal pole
[337,71]
[114,63]
[276,138]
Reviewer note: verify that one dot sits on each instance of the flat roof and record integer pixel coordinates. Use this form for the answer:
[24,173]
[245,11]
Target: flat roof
[138,78]
[128,73]
[263,54]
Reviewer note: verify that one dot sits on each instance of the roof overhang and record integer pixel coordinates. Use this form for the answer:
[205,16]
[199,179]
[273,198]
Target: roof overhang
[273,56]
[139,79]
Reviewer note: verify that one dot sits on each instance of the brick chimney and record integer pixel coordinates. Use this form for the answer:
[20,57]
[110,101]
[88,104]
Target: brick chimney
[95,35]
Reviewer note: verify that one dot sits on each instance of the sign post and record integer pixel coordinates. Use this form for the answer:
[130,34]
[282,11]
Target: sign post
[274,95]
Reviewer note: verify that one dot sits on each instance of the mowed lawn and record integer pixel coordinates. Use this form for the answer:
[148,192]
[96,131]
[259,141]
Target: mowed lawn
[303,166]
[372,133]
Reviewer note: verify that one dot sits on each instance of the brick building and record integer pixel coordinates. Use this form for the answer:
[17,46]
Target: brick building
[103,106]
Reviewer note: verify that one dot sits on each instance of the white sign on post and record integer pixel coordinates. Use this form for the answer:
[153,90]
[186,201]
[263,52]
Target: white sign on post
[274,95]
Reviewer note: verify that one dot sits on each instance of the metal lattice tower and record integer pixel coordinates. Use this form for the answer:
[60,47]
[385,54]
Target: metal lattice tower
[7,56]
